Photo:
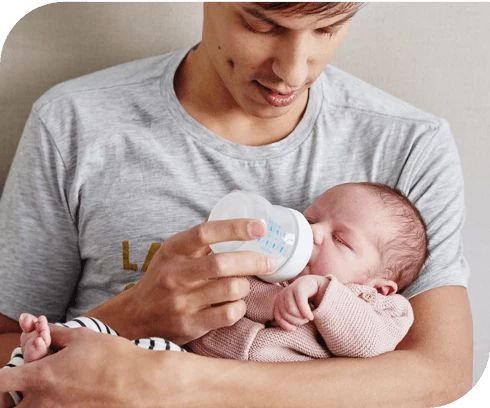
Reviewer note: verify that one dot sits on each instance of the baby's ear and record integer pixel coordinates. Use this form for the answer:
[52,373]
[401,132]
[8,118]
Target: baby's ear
[384,286]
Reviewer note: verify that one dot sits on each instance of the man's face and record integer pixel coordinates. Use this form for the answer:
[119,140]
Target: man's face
[265,61]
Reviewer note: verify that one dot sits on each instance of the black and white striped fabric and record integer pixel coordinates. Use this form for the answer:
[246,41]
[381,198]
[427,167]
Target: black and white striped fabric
[152,343]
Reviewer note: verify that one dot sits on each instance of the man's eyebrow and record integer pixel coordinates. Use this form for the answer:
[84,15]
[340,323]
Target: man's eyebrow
[261,16]
[343,20]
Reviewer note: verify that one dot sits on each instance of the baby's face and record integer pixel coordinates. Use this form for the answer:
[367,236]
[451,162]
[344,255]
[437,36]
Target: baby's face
[349,223]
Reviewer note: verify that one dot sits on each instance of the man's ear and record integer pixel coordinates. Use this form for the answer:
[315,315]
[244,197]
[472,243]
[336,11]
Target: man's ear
[384,286]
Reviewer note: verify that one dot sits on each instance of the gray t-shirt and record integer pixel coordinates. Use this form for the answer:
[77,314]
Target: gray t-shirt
[110,165]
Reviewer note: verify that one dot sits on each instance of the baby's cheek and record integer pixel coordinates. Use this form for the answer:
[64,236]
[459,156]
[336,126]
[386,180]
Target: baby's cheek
[321,268]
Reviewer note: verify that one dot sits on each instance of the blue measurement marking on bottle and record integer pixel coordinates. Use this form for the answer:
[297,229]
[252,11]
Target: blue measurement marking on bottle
[281,249]
[267,242]
[273,246]
[258,240]
[265,250]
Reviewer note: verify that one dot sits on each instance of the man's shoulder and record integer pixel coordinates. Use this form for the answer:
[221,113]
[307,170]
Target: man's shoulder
[127,74]
[345,91]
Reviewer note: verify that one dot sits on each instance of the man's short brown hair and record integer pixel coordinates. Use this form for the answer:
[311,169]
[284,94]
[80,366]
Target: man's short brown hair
[310,8]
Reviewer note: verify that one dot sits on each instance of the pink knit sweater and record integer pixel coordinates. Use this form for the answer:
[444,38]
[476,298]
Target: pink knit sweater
[350,321]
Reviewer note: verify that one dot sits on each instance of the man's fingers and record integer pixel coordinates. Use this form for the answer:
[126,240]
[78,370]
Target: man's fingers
[223,315]
[197,239]
[15,378]
[228,264]
[61,336]
[222,290]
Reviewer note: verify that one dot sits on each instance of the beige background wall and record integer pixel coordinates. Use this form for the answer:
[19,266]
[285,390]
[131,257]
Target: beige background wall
[433,55]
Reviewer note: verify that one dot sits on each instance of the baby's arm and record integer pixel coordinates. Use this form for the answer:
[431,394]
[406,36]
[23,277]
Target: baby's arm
[357,321]
[292,306]
[250,339]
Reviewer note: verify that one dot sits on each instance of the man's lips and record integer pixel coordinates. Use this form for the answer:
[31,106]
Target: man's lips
[275,98]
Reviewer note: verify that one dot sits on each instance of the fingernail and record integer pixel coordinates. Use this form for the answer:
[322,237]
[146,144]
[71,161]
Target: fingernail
[255,229]
[271,264]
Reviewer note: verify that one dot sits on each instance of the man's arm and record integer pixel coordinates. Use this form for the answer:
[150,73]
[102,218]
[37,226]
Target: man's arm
[431,367]
[9,338]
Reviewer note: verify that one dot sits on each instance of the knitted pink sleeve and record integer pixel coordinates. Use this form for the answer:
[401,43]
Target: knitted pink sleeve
[348,324]
[357,321]
[249,339]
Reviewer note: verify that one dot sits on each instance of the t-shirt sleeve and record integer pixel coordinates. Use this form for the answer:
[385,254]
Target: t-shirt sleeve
[39,256]
[435,186]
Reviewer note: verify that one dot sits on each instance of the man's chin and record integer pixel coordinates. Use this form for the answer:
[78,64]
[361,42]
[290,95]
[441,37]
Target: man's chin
[268,112]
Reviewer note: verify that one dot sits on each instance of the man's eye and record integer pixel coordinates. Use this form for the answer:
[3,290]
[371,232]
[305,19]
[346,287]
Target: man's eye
[329,32]
[338,240]
[264,29]
[253,30]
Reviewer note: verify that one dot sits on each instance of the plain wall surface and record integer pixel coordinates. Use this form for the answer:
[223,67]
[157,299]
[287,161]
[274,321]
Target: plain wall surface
[433,55]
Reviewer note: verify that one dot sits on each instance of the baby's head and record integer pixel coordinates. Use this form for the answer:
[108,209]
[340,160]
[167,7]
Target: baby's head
[367,233]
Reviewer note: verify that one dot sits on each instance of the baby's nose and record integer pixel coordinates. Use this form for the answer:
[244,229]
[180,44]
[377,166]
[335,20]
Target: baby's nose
[314,253]
[317,235]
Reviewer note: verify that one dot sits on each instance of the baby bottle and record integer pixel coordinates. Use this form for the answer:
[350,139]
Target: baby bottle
[289,238]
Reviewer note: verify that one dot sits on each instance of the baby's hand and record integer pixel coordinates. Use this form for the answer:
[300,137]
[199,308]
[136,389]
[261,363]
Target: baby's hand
[35,338]
[292,308]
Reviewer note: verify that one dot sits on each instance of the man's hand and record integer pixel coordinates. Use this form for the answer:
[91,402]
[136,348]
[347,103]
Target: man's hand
[94,370]
[292,308]
[187,290]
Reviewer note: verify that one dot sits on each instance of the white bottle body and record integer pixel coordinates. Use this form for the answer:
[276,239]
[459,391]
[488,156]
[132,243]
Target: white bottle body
[288,239]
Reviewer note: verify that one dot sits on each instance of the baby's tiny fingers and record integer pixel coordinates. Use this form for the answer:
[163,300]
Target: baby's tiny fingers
[304,307]
[302,300]
[291,306]
[297,321]
[285,324]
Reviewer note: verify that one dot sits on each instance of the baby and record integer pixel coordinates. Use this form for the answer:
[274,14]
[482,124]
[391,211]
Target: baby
[369,243]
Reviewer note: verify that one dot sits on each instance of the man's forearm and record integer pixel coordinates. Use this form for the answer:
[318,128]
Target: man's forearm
[116,313]
[8,342]
[432,367]
[399,378]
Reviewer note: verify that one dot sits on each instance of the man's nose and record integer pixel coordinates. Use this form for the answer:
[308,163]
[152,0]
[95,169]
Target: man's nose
[291,61]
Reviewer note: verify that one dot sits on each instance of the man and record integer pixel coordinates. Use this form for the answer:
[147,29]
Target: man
[130,156]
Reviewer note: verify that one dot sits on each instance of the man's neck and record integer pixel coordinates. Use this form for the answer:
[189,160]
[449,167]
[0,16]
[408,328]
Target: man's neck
[214,107]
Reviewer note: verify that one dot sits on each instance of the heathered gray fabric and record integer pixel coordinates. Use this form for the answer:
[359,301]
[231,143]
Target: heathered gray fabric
[113,157]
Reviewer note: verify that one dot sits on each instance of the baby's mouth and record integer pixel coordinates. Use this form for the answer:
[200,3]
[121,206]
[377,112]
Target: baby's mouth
[304,272]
